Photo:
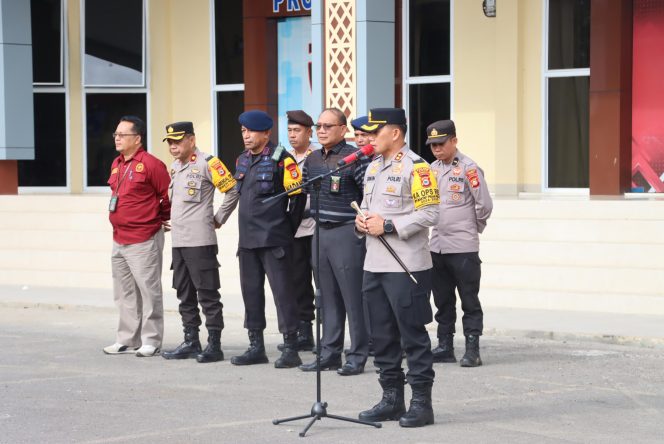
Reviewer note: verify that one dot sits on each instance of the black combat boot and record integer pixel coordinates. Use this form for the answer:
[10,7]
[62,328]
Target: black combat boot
[472,356]
[289,357]
[445,350]
[305,337]
[255,354]
[188,349]
[212,352]
[391,406]
[420,412]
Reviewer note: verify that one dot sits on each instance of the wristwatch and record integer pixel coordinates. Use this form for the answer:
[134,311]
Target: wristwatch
[388,226]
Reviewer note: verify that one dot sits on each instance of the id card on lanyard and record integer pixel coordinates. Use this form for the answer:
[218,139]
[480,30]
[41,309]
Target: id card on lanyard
[113,203]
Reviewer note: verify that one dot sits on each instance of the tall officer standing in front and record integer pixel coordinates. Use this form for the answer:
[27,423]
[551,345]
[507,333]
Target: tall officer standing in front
[266,236]
[464,209]
[194,176]
[341,253]
[401,200]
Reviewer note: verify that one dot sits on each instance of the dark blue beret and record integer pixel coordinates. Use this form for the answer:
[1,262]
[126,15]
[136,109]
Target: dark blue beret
[256,120]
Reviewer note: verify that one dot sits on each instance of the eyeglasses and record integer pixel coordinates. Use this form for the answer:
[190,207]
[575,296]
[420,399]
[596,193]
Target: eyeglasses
[121,135]
[326,126]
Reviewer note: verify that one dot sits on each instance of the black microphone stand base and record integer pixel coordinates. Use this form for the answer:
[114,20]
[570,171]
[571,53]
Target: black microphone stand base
[318,411]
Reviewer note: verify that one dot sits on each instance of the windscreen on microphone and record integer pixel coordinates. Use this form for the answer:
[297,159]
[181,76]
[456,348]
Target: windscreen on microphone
[366,150]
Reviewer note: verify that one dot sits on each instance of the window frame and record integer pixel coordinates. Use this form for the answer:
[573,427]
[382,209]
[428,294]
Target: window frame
[112,89]
[546,75]
[409,80]
[216,88]
[57,88]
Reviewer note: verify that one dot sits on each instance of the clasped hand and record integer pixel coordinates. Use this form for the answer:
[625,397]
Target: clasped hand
[371,225]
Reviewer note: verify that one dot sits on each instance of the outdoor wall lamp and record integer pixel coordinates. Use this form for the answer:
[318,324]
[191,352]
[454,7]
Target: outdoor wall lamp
[489,7]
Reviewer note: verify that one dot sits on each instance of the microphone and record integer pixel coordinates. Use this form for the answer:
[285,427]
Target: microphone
[366,150]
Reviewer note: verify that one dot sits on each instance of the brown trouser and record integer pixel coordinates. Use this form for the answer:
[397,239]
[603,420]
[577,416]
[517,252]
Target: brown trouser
[137,291]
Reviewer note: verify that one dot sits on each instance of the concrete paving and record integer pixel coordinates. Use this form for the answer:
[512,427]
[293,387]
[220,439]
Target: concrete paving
[538,384]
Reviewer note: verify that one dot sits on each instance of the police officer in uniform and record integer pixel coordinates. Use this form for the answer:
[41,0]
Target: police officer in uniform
[341,253]
[194,176]
[266,236]
[464,209]
[363,131]
[401,200]
[299,137]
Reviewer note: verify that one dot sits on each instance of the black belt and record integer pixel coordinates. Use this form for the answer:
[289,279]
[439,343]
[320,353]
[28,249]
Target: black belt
[329,225]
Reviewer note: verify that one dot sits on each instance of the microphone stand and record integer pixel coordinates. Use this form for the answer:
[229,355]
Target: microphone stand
[319,408]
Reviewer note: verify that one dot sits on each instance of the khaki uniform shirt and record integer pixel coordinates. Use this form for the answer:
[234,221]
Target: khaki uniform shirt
[308,224]
[192,191]
[465,206]
[403,190]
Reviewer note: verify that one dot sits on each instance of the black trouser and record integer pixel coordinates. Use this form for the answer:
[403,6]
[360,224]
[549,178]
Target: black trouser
[460,271]
[398,311]
[196,279]
[255,263]
[304,292]
[341,262]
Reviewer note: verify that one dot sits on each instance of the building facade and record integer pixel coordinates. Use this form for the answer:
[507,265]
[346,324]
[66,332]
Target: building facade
[549,96]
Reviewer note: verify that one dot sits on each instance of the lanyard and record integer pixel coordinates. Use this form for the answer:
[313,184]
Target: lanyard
[117,189]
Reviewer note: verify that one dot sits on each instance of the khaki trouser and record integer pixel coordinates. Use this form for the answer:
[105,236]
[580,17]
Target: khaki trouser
[137,291]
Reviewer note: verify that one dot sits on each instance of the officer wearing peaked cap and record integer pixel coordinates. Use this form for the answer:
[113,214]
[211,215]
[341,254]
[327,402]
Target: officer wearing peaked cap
[266,236]
[364,131]
[464,209]
[194,176]
[401,200]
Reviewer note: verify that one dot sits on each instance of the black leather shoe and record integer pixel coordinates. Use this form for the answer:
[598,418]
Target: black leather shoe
[325,364]
[351,369]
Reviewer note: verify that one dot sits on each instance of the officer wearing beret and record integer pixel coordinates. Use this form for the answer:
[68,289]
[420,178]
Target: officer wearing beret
[194,176]
[464,209]
[341,253]
[299,138]
[364,132]
[401,200]
[266,236]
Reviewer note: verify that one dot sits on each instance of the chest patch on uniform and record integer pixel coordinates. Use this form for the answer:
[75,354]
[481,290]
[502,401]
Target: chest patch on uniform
[396,179]
[195,170]
[424,188]
[456,197]
[140,167]
[455,187]
[456,179]
[396,168]
[473,178]
[456,171]
[191,191]
[391,203]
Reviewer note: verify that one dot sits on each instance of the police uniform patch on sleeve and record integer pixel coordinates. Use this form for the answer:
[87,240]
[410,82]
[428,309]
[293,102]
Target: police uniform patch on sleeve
[473,178]
[424,187]
[292,176]
[221,177]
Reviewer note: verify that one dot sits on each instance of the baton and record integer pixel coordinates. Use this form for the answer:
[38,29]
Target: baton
[357,208]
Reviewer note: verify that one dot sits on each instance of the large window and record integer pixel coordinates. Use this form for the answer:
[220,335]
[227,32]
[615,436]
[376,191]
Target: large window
[567,82]
[228,78]
[114,76]
[427,67]
[49,169]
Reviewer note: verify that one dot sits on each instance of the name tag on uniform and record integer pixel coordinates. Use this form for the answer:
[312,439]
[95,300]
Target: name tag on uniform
[113,204]
[335,184]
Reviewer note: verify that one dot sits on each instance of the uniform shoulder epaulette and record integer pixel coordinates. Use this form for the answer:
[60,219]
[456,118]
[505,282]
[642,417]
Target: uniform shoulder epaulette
[277,153]
[415,157]
[208,158]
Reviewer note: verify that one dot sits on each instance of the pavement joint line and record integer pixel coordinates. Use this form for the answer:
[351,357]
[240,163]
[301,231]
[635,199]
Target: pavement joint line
[646,342]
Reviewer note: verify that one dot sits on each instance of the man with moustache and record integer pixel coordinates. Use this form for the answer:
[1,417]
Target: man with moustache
[364,132]
[341,253]
[266,236]
[194,177]
[138,208]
